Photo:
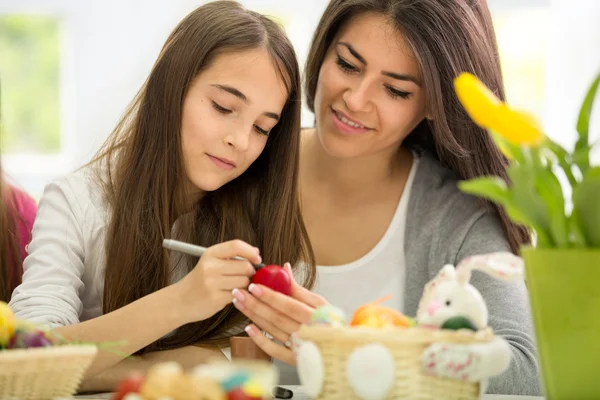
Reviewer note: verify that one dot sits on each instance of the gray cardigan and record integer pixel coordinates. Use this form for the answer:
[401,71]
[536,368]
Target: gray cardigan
[444,226]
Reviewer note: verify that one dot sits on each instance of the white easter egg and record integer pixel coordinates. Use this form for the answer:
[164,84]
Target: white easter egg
[310,368]
[370,371]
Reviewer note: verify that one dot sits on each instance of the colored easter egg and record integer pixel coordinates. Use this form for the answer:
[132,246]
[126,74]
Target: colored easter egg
[7,324]
[129,385]
[236,380]
[456,323]
[274,277]
[253,389]
[28,339]
[377,316]
[239,394]
[328,315]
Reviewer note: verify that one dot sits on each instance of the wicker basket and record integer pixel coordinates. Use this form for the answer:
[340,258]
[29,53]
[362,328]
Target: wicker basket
[43,373]
[406,347]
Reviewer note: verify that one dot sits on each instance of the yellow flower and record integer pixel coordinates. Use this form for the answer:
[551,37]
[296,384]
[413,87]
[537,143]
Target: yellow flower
[518,127]
[479,102]
[487,111]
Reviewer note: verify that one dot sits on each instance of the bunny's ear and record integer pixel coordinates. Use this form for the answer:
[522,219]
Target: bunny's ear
[503,265]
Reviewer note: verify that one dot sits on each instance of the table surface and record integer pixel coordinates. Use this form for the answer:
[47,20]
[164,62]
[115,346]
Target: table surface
[300,395]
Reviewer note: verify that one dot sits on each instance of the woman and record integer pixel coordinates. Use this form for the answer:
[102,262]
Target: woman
[378,172]
[207,153]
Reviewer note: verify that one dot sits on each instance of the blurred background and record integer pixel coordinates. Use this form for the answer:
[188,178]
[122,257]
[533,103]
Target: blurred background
[68,68]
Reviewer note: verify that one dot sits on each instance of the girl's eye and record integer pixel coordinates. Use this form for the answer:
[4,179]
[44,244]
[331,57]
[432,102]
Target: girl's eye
[261,131]
[221,109]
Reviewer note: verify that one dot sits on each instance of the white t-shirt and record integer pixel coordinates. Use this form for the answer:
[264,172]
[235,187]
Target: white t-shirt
[377,274]
[63,278]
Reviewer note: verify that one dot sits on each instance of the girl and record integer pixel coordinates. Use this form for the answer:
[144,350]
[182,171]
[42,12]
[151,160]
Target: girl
[378,172]
[207,153]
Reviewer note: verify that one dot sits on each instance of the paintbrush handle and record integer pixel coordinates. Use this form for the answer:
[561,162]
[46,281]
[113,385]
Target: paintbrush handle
[194,250]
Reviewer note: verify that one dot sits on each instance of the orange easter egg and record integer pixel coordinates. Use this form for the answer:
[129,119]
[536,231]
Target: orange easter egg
[377,316]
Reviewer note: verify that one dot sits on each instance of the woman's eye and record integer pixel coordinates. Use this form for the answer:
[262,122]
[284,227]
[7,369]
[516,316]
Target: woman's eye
[395,93]
[345,65]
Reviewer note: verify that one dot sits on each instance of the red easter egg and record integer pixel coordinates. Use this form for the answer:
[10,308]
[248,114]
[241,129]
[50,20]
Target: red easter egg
[131,384]
[274,277]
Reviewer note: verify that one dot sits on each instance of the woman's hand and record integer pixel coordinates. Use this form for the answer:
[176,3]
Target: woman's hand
[277,314]
[207,289]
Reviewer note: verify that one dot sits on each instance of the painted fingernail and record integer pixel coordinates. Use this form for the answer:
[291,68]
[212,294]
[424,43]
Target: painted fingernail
[249,330]
[238,295]
[238,304]
[255,290]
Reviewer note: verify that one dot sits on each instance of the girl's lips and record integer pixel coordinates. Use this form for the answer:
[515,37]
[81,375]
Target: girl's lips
[222,163]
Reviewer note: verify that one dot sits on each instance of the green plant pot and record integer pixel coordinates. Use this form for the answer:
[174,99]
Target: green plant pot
[564,290]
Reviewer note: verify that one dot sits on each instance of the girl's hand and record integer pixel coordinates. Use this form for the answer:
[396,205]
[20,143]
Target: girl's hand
[277,314]
[207,289]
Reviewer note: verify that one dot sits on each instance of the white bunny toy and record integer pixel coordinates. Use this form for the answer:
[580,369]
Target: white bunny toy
[450,295]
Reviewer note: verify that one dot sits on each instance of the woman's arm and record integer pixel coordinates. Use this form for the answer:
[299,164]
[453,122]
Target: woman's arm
[508,306]
[188,357]
[277,314]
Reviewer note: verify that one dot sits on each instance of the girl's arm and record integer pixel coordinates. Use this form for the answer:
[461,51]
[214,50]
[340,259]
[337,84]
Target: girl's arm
[188,357]
[52,285]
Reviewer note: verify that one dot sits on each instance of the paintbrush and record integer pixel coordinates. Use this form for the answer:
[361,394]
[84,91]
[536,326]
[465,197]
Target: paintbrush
[194,250]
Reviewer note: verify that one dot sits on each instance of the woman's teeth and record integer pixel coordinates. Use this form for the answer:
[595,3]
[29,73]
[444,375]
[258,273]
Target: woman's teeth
[349,123]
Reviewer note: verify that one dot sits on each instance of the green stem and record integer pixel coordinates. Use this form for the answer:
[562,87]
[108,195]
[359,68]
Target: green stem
[562,155]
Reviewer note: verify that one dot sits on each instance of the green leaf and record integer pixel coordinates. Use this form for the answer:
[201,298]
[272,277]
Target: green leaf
[549,188]
[583,125]
[524,196]
[496,190]
[510,150]
[491,188]
[586,203]
[576,235]
[564,160]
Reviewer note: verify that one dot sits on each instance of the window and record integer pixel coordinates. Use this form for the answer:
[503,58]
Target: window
[29,79]
[522,35]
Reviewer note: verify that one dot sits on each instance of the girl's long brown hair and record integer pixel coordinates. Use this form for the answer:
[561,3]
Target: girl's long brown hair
[142,173]
[447,37]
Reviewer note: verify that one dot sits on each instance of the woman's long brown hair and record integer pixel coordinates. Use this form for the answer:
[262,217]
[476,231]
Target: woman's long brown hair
[447,37]
[142,173]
